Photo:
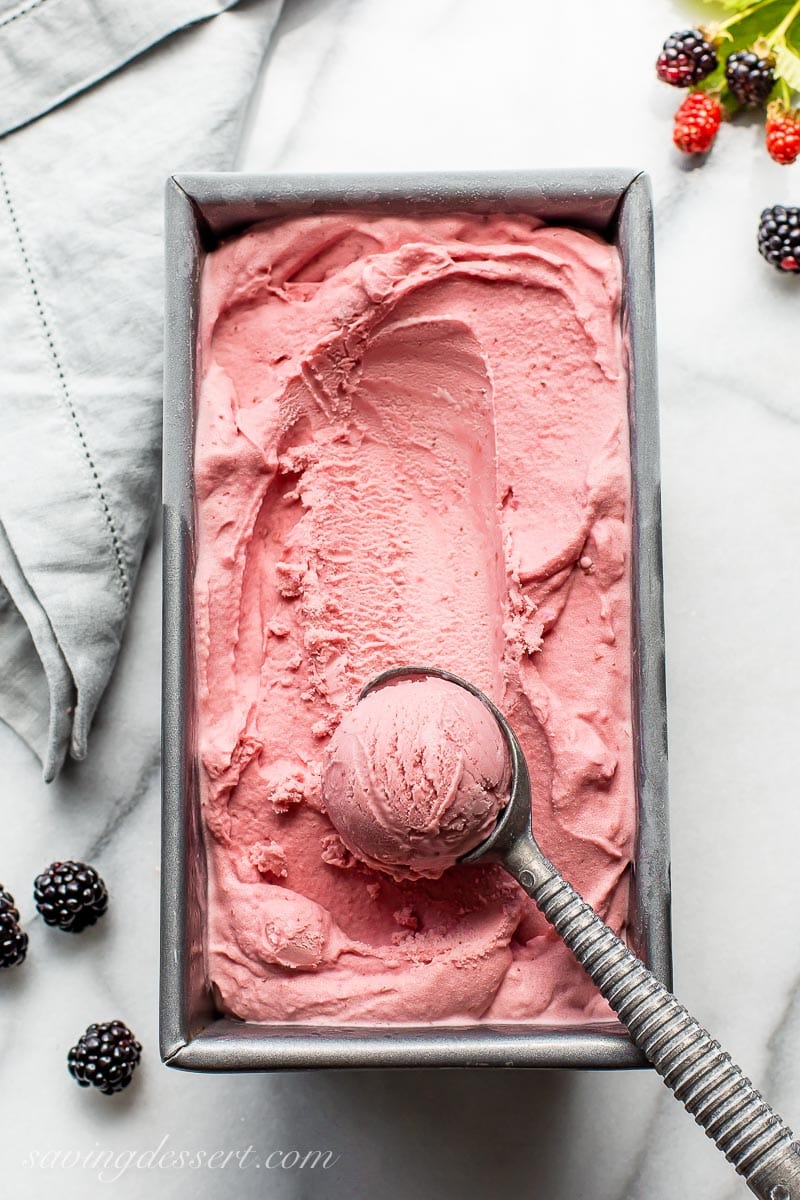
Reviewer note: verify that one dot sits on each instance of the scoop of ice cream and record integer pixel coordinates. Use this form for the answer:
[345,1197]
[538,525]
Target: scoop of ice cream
[414,776]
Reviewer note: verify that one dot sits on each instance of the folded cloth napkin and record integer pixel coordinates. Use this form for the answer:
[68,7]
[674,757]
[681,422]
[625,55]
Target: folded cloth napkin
[100,100]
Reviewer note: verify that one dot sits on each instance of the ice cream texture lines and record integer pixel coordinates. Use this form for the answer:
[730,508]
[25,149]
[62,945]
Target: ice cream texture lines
[412,446]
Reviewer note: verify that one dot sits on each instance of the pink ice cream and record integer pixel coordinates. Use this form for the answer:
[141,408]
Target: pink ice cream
[415,776]
[411,446]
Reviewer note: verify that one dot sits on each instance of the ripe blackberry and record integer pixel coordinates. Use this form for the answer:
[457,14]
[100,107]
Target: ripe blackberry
[686,58]
[750,77]
[779,237]
[696,123]
[105,1057]
[783,133]
[7,904]
[13,940]
[70,895]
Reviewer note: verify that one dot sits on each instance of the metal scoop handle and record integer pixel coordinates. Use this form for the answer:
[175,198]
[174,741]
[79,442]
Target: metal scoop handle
[717,1093]
[693,1065]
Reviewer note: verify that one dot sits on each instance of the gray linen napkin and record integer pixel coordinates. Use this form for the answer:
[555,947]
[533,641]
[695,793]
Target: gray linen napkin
[100,100]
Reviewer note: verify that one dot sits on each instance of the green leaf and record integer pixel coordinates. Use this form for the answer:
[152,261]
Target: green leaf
[787,66]
[743,33]
[793,37]
[740,5]
[731,5]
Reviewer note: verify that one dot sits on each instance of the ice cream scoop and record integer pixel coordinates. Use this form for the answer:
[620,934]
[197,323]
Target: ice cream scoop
[414,777]
[750,1134]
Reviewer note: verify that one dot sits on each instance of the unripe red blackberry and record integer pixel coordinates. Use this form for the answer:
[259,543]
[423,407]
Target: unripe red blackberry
[783,133]
[696,123]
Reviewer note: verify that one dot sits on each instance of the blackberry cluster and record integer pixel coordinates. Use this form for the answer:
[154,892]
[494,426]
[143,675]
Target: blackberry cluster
[779,237]
[13,939]
[750,77]
[686,58]
[105,1057]
[70,895]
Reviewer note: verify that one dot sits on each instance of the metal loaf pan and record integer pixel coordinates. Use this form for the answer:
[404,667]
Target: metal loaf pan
[202,209]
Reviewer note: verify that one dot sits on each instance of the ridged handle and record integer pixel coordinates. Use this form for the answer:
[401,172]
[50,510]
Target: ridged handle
[701,1074]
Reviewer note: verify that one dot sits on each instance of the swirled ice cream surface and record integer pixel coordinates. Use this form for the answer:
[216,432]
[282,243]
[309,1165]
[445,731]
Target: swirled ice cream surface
[412,447]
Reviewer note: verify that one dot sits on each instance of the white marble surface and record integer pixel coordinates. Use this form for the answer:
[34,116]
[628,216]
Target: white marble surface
[382,84]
